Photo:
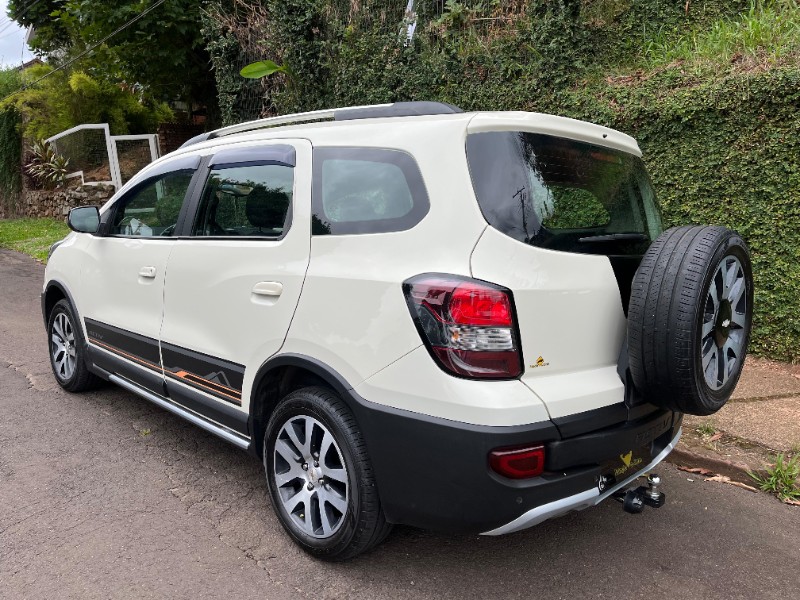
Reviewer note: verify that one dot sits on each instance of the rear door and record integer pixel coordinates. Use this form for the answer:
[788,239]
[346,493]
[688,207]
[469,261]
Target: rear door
[122,287]
[569,223]
[234,277]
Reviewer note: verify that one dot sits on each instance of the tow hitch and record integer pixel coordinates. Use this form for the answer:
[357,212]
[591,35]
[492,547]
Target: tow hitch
[634,501]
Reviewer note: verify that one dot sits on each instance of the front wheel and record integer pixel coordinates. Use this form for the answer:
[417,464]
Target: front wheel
[67,349]
[320,478]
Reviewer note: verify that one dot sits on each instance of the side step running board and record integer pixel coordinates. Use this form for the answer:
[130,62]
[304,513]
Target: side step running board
[227,435]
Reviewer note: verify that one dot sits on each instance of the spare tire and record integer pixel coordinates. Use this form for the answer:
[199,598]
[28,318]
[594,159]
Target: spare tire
[689,318]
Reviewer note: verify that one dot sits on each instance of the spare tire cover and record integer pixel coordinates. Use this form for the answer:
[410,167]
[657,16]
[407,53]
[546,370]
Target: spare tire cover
[689,318]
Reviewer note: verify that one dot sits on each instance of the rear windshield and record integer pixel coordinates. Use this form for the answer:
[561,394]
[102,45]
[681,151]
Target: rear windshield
[561,194]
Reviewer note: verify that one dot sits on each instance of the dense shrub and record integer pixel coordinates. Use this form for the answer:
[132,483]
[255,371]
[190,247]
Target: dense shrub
[10,145]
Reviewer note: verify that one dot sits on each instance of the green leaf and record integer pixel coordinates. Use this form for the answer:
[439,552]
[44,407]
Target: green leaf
[262,68]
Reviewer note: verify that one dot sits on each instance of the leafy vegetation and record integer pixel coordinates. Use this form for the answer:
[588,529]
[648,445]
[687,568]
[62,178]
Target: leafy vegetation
[765,32]
[65,99]
[47,166]
[781,478]
[163,51]
[10,144]
[32,236]
[709,89]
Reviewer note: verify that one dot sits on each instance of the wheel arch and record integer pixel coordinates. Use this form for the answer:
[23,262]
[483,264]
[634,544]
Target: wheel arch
[53,292]
[280,376]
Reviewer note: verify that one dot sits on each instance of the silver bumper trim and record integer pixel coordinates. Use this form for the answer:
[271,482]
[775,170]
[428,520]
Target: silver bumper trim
[577,502]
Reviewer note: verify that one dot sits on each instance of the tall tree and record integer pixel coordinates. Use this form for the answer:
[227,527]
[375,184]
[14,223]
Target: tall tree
[163,50]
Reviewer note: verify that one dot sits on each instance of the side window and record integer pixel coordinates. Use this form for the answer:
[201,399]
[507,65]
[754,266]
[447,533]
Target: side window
[366,190]
[152,208]
[246,200]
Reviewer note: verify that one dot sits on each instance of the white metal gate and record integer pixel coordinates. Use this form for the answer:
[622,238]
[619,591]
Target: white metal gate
[97,157]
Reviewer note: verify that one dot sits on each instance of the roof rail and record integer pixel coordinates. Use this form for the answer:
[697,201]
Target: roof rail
[375,111]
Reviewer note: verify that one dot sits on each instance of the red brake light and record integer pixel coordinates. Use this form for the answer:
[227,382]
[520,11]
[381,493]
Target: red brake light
[518,463]
[467,325]
[473,305]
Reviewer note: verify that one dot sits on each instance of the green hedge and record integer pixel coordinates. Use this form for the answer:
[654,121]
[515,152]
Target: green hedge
[724,151]
[721,140]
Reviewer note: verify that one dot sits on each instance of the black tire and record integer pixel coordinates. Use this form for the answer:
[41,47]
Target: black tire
[687,348]
[362,525]
[78,378]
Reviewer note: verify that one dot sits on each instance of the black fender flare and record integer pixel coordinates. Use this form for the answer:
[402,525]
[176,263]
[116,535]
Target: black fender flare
[316,367]
[55,283]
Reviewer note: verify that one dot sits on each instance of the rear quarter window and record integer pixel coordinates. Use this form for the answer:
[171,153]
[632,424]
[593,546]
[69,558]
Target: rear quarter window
[366,190]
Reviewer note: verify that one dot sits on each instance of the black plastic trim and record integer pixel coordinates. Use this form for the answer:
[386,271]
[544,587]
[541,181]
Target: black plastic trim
[181,163]
[589,420]
[140,347]
[606,443]
[191,198]
[108,361]
[213,410]
[278,154]
[137,358]
[413,454]
[54,283]
[132,355]
[220,378]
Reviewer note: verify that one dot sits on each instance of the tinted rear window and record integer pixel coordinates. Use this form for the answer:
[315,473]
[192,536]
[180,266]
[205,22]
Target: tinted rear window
[366,190]
[562,194]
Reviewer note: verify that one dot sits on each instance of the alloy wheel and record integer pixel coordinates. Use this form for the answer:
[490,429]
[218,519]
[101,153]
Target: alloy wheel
[723,331]
[62,346]
[310,476]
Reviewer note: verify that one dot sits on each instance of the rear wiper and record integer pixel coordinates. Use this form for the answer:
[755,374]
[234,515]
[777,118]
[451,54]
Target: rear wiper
[614,237]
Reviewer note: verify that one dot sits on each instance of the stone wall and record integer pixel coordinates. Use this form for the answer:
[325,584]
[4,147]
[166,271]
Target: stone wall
[56,203]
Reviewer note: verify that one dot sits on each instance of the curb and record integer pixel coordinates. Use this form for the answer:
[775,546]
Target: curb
[737,471]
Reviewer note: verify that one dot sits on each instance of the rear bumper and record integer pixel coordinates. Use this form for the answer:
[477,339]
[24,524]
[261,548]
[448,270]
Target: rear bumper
[585,499]
[434,473]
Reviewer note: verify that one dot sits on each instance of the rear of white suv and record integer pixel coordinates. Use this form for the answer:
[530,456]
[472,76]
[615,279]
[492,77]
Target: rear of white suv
[411,318]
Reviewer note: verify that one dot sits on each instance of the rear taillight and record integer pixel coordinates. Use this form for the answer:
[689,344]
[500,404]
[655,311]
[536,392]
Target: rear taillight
[519,462]
[467,325]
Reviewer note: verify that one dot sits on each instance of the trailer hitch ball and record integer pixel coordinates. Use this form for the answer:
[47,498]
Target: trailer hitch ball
[634,501]
[652,496]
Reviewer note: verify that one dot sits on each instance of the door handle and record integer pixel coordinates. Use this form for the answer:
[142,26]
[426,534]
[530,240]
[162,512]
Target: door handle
[147,272]
[268,288]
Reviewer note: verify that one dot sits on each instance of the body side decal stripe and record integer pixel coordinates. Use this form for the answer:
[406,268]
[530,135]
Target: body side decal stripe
[223,379]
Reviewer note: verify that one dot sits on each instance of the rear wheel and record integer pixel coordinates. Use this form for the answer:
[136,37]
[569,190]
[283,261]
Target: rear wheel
[689,318]
[68,350]
[320,478]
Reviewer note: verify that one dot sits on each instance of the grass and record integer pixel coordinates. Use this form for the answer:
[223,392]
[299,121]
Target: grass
[769,30]
[706,429]
[781,478]
[32,236]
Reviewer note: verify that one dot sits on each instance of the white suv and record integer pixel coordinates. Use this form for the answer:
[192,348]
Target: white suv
[412,314]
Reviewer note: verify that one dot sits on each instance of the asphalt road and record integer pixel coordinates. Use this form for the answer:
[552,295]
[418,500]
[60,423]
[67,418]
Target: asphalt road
[104,496]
